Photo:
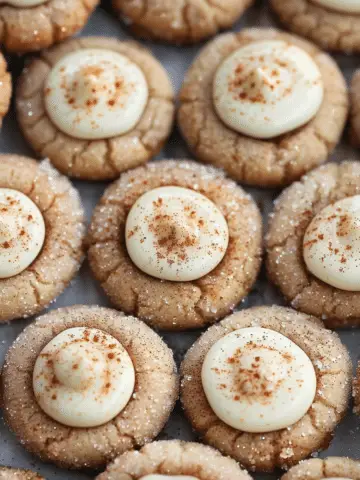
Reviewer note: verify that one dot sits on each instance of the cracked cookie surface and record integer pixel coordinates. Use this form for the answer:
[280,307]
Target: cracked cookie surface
[155,393]
[332,30]
[61,256]
[355,109]
[183,21]
[294,210]
[165,304]
[32,29]
[267,163]
[95,159]
[174,458]
[18,474]
[319,469]
[282,448]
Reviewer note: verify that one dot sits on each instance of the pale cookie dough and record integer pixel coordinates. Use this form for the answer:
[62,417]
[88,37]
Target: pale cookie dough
[28,29]
[330,28]
[182,22]
[174,460]
[155,393]
[99,158]
[62,253]
[355,109]
[357,390]
[282,448]
[294,211]
[5,88]
[175,305]
[331,468]
[273,162]
[17,474]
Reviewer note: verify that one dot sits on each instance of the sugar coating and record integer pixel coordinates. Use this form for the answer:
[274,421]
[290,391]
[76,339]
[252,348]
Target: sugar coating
[32,29]
[257,162]
[283,448]
[179,22]
[155,394]
[330,29]
[355,109]
[175,305]
[17,474]
[357,390]
[174,458]
[63,251]
[105,158]
[5,88]
[321,469]
[293,212]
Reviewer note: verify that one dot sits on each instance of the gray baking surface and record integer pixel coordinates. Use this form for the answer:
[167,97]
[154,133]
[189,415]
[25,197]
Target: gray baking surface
[84,289]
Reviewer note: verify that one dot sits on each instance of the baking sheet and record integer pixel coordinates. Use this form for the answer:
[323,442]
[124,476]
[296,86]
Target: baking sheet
[84,289]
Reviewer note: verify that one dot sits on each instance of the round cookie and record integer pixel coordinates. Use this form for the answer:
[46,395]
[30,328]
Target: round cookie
[355,109]
[330,28]
[266,162]
[42,23]
[53,229]
[357,391]
[334,468]
[17,474]
[153,398]
[259,445]
[63,93]
[323,286]
[180,23]
[6,88]
[176,305]
[174,460]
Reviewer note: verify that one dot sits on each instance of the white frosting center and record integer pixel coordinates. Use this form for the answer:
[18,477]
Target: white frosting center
[174,233]
[23,3]
[332,244]
[93,94]
[83,378]
[257,380]
[347,6]
[168,477]
[22,232]
[267,88]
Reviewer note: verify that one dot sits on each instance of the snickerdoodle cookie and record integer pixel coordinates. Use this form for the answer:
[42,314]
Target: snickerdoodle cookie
[174,460]
[5,88]
[84,384]
[31,25]
[41,235]
[355,109]
[186,239]
[332,468]
[17,474]
[267,386]
[332,24]
[357,390]
[180,22]
[313,244]
[95,106]
[264,105]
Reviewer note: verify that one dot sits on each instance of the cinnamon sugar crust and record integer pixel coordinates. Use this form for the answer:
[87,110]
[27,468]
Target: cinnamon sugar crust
[282,448]
[355,109]
[96,159]
[5,88]
[18,474]
[61,256]
[174,458]
[357,391]
[156,391]
[165,304]
[294,211]
[265,163]
[319,469]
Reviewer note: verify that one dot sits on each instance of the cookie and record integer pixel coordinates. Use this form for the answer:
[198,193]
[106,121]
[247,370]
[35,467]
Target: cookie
[312,247]
[355,109]
[237,106]
[267,386]
[95,106]
[187,240]
[332,24]
[17,474]
[357,391]
[31,25]
[41,235]
[331,468]
[179,23]
[6,88]
[84,384]
[174,460]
